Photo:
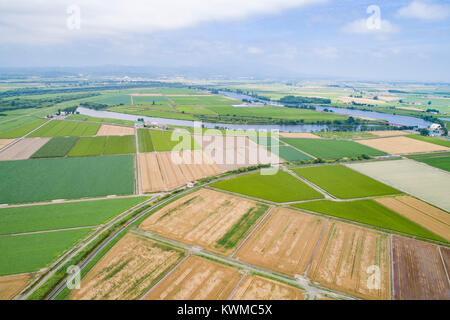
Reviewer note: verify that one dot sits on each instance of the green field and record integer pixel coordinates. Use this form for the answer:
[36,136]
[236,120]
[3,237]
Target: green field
[345,134]
[22,130]
[88,146]
[332,149]
[291,154]
[32,252]
[344,182]
[65,178]
[368,212]
[61,128]
[63,215]
[56,147]
[120,145]
[281,187]
[437,160]
[150,100]
[139,110]
[114,99]
[167,140]
[82,117]
[442,142]
[145,141]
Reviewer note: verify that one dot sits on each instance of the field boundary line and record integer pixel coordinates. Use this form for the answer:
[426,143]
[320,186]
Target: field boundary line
[46,231]
[316,247]
[443,264]
[252,231]
[310,184]
[237,285]
[310,155]
[165,276]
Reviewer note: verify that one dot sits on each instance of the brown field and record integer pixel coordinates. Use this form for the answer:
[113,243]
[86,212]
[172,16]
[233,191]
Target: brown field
[411,108]
[360,100]
[23,149]
[128,270]
[344,259]
[109,130]
[284,242]
[233,152]
[299,135]
[197,279]
[11,285]
[259,288]
[388,133]
[429,217]
[445,252]
[5,142]
[159,172]
[388,98]
[201,218]
[402,145]
[418,271]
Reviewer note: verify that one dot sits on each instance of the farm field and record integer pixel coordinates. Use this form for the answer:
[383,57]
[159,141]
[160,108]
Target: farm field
[128,270]
[423,214]
[55,148]
[291,154]
[32,252]
[284,242]
[66,178]
[114,99]
[88,146]
[416,277]
[204,100]
[23,149]
[348,135]
[259,288]
[281,187]
[83,117]
[440,142]
[206,218]
[61,128]
[18,132]
[120,145]
[371,212]
[305,135]
[167,140]
[145,141]
[197,279]
[63,215]
[414,178]
[388,133]
[343,182]
[11,285]
[347,257]
[161,171]
[440,162]
[331,149]
[141,111]
[402,145]
[109,130]
[5,142]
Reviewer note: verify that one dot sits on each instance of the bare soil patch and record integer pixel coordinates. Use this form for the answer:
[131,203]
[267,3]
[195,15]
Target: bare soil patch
[109,130]
[299,135]
[5,142]
[388,133]
[23,149]
[11,285]
[402,145]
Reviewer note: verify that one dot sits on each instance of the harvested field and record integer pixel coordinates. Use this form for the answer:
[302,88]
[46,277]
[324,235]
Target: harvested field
[350,259]
[213,220]
[259,288]
[419,273]
[427,216]
[233,152]
[197,279]
[23,149]
[10,286]
[128,270]
[415,178]
[160,172]
[388,133]
[360,100]
[299,135]
[445,252]
[109,130]
[5,142]
[402,145]
[284,242]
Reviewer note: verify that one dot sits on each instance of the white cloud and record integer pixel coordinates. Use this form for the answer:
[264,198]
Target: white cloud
[424,10]
[46,20]
[361,26]
[327,52]
[255,50]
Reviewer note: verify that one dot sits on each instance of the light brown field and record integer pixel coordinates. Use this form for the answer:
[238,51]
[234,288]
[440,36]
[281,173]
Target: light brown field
[299,135]
[259,288]
[345,258]
[128,270]
[388,98]
[11,285]
[360,100]
[109,130]
[388,133]
[23,149]
[429,217]
[445,252]
[233,152]
[410,108]
[201,218]
[5,142]
[160,172]
[197,279]
[284,242]
[402,145]
[419,273]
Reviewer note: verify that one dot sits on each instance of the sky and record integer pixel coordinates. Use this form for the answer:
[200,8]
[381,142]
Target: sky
[343,39]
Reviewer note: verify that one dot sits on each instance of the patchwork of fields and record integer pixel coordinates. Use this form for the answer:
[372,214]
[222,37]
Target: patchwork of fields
[60,128]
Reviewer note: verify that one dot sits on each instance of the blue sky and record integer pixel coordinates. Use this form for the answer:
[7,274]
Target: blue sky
[262,38]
